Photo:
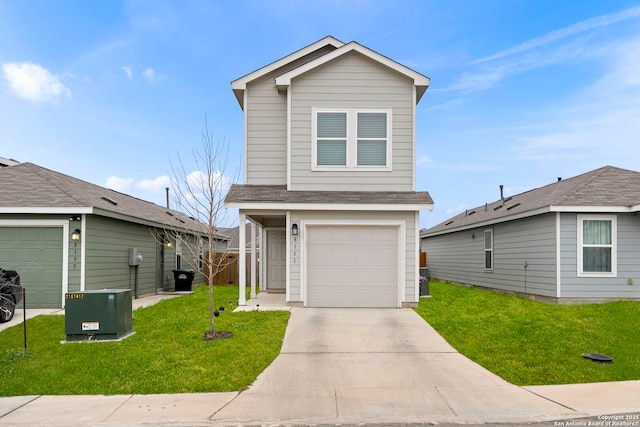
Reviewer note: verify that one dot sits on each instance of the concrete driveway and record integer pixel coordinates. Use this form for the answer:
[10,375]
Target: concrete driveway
[354,365]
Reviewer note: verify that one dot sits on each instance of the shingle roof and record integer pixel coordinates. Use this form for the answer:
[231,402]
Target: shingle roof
[605,187]
[278,194]
[27,186]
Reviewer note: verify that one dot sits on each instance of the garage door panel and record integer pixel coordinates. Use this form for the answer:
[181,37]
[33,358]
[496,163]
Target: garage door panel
[36,253]
[352,266]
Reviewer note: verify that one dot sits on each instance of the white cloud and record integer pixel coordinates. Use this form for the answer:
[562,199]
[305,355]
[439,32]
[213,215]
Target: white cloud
[155,185]
[119,184]
[577,28]
[33,82]
[598,123]
[149,74]
[200,180]
[424,161]
[128,71]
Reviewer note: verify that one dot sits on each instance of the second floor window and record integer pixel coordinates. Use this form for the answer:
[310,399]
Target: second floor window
[352,139]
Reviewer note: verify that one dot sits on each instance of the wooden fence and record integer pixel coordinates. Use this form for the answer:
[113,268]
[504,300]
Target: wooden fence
[228,274]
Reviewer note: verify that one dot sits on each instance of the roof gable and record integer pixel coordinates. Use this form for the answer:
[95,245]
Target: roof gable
[240,85]
[420,81]
[607,189]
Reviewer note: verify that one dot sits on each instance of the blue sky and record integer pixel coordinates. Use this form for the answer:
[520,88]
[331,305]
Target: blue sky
[522,92]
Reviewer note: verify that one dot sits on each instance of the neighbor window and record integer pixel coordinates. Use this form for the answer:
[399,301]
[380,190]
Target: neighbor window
[488,249]
[597,254]
[352,139]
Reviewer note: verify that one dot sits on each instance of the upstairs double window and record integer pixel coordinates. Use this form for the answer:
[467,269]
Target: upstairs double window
[352,139]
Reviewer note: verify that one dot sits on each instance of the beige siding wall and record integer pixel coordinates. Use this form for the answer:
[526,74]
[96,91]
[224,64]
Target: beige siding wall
[407,219]
[353,82]
[266,127]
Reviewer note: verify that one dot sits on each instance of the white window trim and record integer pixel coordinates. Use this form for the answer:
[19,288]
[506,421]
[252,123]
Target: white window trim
[614,246]
[485,250]
[352,140]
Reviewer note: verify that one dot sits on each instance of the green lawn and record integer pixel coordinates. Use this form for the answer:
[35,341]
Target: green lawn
[532,343]
[166,355]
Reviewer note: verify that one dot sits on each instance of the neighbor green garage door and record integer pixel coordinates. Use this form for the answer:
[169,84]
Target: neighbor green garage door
[36,253]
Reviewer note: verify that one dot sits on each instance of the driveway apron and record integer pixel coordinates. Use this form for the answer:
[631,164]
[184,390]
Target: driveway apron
[383,365]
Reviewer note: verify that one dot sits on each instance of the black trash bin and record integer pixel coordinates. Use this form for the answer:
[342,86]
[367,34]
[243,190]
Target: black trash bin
[424,281]
[184,279]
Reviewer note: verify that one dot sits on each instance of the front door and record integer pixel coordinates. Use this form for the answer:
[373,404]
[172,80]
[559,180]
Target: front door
[276,266]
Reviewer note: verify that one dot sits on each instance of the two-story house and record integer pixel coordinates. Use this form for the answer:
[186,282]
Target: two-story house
[329,176]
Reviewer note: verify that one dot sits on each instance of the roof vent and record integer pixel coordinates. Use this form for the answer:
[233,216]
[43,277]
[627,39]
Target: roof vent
[559,178]
[497,207]
[108,200]
[471,213]
[513,206]
[450,222]
[169,213]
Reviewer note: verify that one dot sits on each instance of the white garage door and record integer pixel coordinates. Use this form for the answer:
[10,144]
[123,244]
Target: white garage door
[352,266]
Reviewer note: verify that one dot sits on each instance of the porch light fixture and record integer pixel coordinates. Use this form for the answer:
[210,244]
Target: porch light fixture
[75,236]
[294,230]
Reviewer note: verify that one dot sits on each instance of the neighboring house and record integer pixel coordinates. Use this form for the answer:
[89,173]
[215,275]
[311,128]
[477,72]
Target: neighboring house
[576,239]
[329,176]
[64,235]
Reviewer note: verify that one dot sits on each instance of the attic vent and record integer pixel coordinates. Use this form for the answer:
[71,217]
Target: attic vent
[450,222]
[497,207]
[180,220]
[471,213]
[507,199]
[169,213]
[108,200]
[513,206]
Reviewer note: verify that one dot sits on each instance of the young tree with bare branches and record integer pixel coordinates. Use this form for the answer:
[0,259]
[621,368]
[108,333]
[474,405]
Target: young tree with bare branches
[200,195]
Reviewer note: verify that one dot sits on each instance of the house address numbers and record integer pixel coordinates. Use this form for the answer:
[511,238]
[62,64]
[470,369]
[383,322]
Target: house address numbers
[295,250]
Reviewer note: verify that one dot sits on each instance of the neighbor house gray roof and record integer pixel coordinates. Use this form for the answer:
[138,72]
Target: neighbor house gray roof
[29,188]
[262,195]
[608,189]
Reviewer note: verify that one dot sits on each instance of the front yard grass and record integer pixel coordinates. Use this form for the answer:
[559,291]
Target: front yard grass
[534,343]
[166,355]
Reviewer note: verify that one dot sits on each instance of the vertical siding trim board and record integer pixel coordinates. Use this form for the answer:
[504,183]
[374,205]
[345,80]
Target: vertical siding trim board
[287,273]
[245,96]
[83,252]
[288,145]
[558,258]
[65,242]
[413,169]
[401,225]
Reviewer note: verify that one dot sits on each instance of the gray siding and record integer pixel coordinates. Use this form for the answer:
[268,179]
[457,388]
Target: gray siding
[459,257]
[107,250]
[573,286]
[352,82]
[411,231]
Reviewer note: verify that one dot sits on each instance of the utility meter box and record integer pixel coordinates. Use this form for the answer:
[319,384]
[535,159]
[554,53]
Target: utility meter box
[98,315]
[135,257]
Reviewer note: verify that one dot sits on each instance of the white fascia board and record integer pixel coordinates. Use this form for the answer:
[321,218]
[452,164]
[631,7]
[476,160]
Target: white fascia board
[420,80]
[635,208]
[591,209]
[240,85]
[329,207]
[61,211]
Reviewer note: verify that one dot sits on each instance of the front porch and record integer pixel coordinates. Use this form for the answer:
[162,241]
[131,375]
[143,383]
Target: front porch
[266,301]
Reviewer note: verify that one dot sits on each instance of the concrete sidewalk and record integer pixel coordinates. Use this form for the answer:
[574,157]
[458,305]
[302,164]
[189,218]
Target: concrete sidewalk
[347,366]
